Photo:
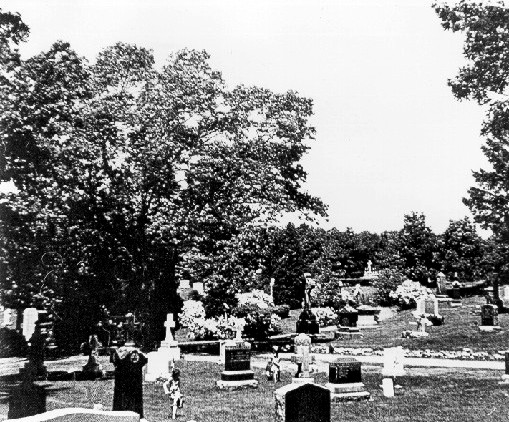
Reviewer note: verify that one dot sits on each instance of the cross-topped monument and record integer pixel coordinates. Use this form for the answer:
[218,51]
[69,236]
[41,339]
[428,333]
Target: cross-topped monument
[239,328]
[169,341]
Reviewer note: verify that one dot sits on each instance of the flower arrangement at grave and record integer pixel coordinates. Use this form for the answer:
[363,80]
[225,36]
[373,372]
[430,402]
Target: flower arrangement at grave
[257,298]
[408,292]
[325,316]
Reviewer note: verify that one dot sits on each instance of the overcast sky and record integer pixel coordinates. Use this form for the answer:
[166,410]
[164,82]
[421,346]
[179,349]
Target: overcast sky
[391,138]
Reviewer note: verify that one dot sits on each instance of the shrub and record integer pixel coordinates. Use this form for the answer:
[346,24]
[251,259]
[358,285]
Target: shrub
[386,283]
[257,298]
[325,316]
[260,323]
[407,293]
[191,310]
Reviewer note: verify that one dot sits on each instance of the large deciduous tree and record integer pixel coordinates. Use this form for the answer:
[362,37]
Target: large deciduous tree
[485,79]
[123,168]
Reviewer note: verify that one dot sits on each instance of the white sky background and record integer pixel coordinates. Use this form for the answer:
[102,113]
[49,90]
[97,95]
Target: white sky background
[391,138]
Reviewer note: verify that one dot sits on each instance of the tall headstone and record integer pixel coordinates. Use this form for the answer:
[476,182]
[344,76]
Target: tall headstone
[128,390]
[307,322]
[421,305]
[441,283]
[30,317]
[489,318]
[388,387]
[36,355]
[302,403]
[302,357]
[345,380]
[93,369]
[160,362]
[237,372]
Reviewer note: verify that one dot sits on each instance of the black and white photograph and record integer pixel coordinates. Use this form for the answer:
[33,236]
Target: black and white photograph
[254,210]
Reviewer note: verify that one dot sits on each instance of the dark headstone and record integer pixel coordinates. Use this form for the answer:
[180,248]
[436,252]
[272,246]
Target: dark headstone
[348,319]
[489,315]
[303,403]
[344,371]
[307,323]
[237,359]
[507,363]
[27,399]
[128,390]
[454,293]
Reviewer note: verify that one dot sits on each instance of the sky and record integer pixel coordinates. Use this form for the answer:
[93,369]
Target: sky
[391,138]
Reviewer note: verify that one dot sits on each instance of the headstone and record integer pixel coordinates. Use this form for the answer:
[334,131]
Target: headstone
[307,322]
[199,287]
[367,316]
[345,380]
[505,377]
[93,369]
[184,284]
[159,363]
[429,305]
[27,399]
[36,355]
[393,362]
[237,372]
[7,320]
[30,317]
[388,387]
[421,305]
[441,283]
[128,390]
[302,357]
[489,318]
[302,403]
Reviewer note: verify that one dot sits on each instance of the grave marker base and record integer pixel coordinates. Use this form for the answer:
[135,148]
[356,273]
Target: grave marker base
[505,380]
[348,392]
[489,328]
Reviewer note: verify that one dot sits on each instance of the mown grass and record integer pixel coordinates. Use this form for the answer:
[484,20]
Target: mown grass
[426,395]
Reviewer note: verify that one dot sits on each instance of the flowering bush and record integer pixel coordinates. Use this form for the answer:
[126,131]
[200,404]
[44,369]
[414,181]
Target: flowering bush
[214,328]
[260,322]
[203,329]
[257,298]
[407,293]
[191,310]
[324,316]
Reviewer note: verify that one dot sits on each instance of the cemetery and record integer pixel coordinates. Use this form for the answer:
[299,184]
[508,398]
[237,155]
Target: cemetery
[150,265]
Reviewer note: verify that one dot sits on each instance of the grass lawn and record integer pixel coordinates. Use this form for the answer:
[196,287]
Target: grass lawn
[427,395]
[459,330]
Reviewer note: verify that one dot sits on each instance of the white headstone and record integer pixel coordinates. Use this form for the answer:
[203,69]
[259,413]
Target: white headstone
[159,363]
[198,286]
[184,284]
[393,362]
[7,317]
[30,317]
[388,387]
[421,305]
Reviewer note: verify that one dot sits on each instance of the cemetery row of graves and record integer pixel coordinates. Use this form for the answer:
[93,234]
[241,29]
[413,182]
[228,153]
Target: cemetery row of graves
[307,373]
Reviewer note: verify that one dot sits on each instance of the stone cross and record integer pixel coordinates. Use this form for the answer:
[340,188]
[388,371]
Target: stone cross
[239,328]
[169,324]
[303,345]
